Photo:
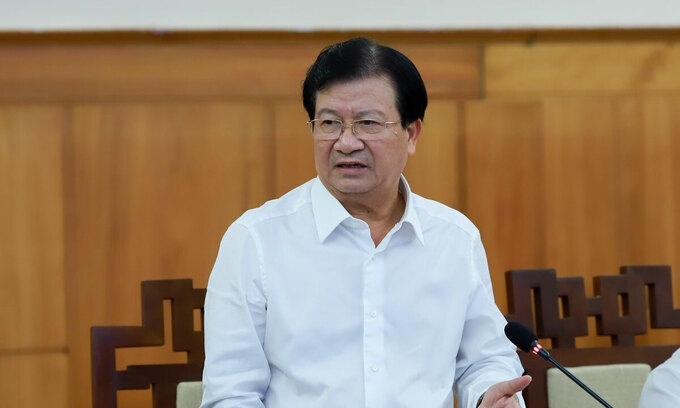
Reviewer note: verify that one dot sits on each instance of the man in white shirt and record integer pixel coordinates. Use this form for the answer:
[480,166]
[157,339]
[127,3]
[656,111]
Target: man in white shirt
[662,386]
[351,290]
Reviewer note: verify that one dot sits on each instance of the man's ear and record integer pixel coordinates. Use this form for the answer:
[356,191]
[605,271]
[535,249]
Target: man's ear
[413,130]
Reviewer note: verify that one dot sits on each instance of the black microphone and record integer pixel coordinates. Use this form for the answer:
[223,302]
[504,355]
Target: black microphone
[522,337]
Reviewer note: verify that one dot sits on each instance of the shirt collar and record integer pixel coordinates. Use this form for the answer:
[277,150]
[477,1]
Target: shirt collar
[329,213]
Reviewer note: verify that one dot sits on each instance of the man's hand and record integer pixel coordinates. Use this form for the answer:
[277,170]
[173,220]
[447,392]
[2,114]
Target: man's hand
[502,395]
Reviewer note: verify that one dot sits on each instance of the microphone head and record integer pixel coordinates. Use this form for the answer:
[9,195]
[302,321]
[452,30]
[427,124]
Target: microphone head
[520,335]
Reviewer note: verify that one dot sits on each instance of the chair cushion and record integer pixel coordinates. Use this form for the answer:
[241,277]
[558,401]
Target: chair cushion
[189,394]
[618,384]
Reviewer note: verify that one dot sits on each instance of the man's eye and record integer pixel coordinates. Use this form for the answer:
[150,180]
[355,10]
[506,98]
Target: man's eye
[368,122]
[329,125]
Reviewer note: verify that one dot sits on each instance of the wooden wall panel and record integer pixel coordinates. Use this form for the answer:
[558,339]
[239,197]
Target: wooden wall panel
[611,188]
[449,70]
[434,171]
[153,71]
[35,380]
[293,148]
[581,199]
[644,166]
[650,193]
[581,184]
[237,68]
[505,184]
[151,189]
[657,228]
[33,343]
[31,220]
[611,164]
[581,67]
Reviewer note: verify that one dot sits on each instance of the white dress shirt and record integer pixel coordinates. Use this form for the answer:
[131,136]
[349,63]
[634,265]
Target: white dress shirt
[662,387]
[303,310]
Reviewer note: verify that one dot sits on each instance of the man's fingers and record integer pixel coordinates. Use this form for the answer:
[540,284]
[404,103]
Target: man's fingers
[514,386]
[510,387]
[505,391]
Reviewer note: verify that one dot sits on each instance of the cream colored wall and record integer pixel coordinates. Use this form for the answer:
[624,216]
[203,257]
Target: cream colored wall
[309,15]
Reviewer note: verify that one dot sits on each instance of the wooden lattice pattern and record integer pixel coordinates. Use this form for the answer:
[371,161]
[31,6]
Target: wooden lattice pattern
[162,378]
[558,309]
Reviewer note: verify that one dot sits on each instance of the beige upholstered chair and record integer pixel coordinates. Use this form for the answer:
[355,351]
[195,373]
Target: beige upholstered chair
[189,394]
[618,384]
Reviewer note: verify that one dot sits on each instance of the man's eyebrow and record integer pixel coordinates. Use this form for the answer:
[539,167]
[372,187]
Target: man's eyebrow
[360,114]
[328,111]
[370,112]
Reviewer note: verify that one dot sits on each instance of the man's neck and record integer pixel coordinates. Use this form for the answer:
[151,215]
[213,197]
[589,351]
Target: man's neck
[380,216]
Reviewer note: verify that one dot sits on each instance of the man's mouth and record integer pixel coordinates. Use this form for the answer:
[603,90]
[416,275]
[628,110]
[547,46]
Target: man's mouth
[351,165]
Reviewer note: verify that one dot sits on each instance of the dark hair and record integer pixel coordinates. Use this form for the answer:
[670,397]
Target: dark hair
[360,58]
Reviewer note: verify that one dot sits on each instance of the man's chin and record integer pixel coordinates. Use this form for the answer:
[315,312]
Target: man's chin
[350,187]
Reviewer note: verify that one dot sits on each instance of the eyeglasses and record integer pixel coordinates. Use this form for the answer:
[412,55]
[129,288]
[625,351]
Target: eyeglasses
[364,129]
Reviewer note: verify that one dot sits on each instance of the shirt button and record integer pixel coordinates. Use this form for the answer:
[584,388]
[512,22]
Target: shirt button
[374,368]
[374,313]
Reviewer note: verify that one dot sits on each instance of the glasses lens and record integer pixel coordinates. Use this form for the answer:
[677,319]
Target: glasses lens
[368,127]
[326,129]
[329,126]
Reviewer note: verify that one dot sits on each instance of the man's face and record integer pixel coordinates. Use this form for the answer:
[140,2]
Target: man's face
[349,167]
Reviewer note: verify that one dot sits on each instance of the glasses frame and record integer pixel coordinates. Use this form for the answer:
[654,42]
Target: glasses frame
[344,125]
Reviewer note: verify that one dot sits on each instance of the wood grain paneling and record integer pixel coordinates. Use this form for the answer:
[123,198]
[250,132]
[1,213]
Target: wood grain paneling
[293,147]
[581,199]
[151,189]
[592,188]
[434,171]
[138,71]
[505,184]
[591,68]
[658,231]
[649,166]
[449,71]
[237,69]
[32,311]
[610,162]
[35,380]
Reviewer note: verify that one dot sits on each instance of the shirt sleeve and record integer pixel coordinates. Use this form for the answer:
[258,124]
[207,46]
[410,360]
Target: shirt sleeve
[236,372]
[485,356]
[661,385]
